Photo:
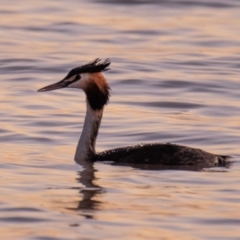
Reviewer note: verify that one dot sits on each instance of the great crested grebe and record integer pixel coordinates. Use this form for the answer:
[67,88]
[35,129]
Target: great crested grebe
[90,79]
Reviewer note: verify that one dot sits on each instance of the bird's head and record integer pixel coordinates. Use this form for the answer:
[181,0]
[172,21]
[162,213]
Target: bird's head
[88,78]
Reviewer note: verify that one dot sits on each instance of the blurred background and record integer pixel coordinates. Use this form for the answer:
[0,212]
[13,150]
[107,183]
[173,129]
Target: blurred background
[174,78]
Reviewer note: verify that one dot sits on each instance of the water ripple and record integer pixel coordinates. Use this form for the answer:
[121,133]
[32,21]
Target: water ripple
[174,78]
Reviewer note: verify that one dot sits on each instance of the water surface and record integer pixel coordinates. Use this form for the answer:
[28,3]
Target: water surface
[174,78]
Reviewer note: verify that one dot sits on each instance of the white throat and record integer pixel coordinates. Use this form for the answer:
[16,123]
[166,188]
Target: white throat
[86,145]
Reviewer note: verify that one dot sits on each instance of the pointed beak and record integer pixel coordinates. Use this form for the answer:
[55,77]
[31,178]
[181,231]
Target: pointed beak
[54,86]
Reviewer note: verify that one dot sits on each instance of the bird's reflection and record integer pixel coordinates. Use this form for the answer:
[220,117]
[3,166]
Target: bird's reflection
[88,192]
[91,190]
[159,167]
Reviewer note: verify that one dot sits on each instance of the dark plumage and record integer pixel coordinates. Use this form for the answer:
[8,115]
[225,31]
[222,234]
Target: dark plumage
[165,154]
[97,97]
[92,67]
[90,79]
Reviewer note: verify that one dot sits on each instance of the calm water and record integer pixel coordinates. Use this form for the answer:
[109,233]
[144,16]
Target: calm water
[174,78]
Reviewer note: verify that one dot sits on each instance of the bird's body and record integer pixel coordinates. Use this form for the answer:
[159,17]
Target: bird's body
[157,153]
[90,79]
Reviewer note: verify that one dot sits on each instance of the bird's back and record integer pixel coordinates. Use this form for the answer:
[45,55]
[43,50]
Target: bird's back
[165,154]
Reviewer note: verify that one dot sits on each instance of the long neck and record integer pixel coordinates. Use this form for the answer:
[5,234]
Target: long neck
[86,145]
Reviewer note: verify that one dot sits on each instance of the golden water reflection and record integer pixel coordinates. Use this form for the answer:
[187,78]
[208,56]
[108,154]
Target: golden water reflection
[174,78]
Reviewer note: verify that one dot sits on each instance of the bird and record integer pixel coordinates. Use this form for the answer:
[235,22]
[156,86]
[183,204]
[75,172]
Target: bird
[89,78]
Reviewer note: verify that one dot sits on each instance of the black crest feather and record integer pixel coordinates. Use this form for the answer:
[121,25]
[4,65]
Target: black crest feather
[95,66]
